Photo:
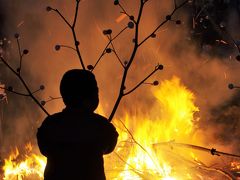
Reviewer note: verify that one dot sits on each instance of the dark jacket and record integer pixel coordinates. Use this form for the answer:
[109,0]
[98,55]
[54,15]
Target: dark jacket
[74,143]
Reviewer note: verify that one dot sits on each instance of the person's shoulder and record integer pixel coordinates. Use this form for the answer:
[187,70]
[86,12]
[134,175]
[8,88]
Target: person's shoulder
[100,118]
[51,119]
[103,121]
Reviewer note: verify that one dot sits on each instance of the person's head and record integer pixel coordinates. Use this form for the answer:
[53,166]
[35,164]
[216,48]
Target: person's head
[79,89]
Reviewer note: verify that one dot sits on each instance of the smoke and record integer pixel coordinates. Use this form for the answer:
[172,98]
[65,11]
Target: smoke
[40,31]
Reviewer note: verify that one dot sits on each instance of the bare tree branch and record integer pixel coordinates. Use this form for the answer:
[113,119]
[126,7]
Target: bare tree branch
[30,94]
[20,56]
[125,12]
[15,92]
[122,87]
[168,18]
[52,99]
[136,46]
[64,46]
[137,143]
[104,50]
[175,3]
[76,42]
[212,151]
[77,47]
[76,14]
[132,168]
[72,27]
[63,18]
[158,67]
[114,51]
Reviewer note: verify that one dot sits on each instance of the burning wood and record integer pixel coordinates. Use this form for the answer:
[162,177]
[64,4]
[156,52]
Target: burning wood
[138,155]
[173,119]
[20,166]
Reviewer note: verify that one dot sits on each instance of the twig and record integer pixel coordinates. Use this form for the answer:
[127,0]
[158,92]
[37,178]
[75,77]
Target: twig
[115,52]
[103,52]
[64,19]
[72,27]
[66,46]
[161,24]
[20,56]
[30,94]
[52,99]
[125,12]
[77,48]
[15,92]
[122,87]
[200,148]
[76,42]
[140,83]
[76,14]
[175,3]
[125,162]
[136,142]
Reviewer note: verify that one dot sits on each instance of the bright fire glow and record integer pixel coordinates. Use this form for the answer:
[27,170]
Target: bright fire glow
[235,166]
[18,166]
[170,117]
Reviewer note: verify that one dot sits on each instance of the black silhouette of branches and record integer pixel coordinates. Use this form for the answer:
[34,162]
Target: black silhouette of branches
[137,44]
[72,27]
[17,73]
[107,32]
[134,23]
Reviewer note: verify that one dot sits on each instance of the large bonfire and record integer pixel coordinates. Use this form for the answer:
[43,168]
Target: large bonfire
[146,147]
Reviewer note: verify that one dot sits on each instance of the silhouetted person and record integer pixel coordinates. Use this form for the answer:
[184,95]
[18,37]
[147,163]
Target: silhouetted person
[75,140]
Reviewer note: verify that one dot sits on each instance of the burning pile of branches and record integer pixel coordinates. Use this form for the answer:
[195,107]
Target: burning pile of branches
[149,145]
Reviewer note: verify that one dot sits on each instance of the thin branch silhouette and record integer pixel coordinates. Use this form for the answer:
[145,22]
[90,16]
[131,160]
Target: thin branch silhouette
[122,86]
[168,18]
[15,92]
[158,67]
[18,75]
[127,14]
[114,50]
[52,99]
[72,27]
[212,151]
[137,143]
[104,50]
[136,46]
[58,46]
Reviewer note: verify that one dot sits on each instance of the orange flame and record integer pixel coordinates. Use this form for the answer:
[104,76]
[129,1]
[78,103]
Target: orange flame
[170,117]
[16,167]
[235,166]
